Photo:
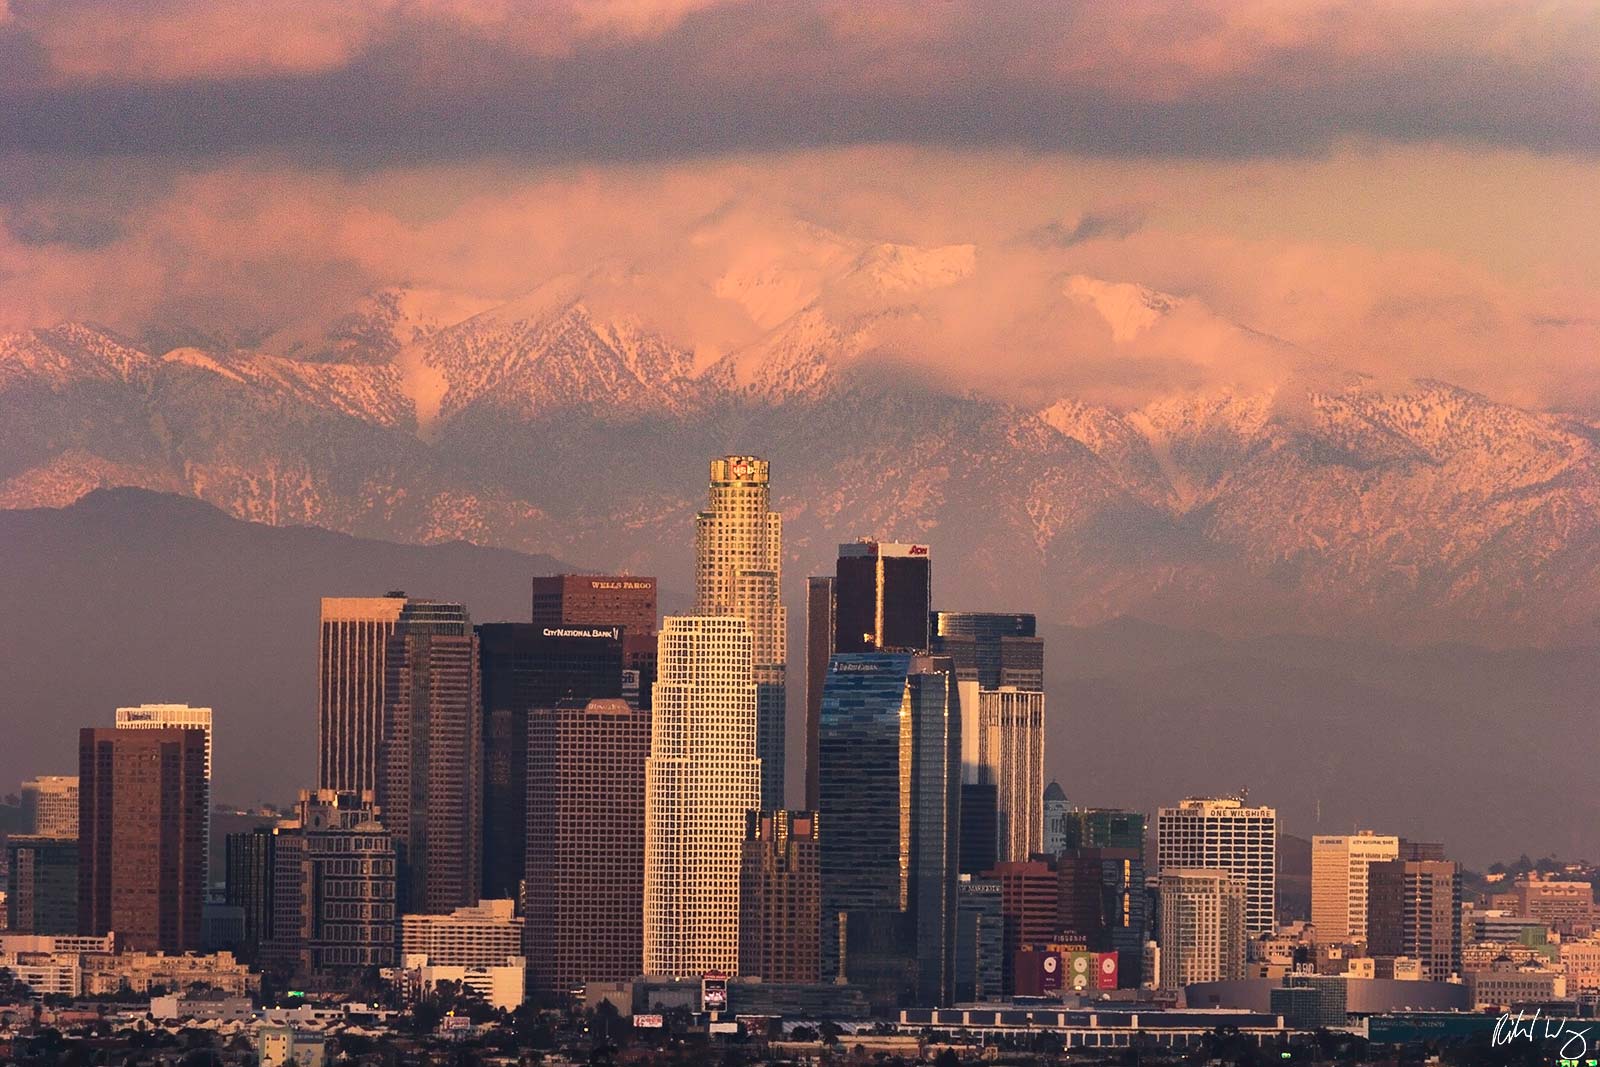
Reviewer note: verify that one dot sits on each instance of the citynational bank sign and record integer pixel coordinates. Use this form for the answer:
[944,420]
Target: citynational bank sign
[613,633]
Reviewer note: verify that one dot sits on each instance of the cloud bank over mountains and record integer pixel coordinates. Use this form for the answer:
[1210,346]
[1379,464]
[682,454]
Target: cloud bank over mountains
[1394,190]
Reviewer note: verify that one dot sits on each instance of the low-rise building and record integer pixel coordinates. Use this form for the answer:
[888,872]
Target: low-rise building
[278,1045]
[479,936]
[1582,962]
[144,972]
[1505,985]
[501,985]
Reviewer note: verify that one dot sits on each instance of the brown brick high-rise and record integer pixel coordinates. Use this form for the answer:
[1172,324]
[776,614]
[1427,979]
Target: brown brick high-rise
[142,802]
[585,844]
[780,897]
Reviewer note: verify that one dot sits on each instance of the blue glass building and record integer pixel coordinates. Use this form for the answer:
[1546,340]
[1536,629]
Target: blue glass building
[889,784]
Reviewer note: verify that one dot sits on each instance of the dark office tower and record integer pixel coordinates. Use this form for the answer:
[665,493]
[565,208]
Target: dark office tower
[526,666]
[250,858]
[859,784]
[881,597]
[979,827]
[738,543]
[142,801]
[1414,909]
[780,897]
[333,891]
[890,785]
[994,649]
[980,940]
[819,649]
[351,649]
[431,793]
[625,600]
[585,854]
[1102,828]
[41,884]
[933,737]
[1103,903]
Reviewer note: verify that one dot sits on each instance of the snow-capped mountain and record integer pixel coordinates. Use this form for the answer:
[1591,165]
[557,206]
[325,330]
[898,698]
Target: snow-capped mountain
[556,424]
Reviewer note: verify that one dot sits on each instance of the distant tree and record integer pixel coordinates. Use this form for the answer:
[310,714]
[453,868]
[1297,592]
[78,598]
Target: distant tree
[947,1058]
[830,1032]
[803,1033]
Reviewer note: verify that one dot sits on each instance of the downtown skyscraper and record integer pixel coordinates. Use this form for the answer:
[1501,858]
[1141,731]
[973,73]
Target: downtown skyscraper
[143,799]
[1225,834]
[585,842]
[702,777]
[890,785]
[164,716]
[430,792]
[352,646]
[739,571]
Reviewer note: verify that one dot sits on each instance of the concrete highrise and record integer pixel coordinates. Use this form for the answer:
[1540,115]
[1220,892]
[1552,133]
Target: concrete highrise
[143,799]
[1223,833]
[780,897]
[1202,927]
[528,666]
[702,777]
[1339,866]
[1011,755]
[50,805]
[739,571]
[162,716]
[820,624]
[352,646]
[1414,909]
[333,891]
[585,854]
[430,791]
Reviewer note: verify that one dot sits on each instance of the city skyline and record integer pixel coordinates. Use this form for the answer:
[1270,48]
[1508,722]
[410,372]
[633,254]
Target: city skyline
[616,531]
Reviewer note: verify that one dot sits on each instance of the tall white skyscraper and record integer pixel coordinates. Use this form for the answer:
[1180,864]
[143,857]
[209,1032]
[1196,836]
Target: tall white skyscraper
[1011,750]
[1222,833]
[701,777]
[1202,936]
[162,716]
[1339,868]
[739,571]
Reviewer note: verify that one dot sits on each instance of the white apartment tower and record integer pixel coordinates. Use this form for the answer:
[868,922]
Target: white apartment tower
[1011,753]
[1202,927]
[700,779]
[739,571]
[1339,866]
[1223,833]
[165,716]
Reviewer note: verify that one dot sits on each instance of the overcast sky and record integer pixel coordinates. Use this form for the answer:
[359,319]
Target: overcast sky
[1402,188]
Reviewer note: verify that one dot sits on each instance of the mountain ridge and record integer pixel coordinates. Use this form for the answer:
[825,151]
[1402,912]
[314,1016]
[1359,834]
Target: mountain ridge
[1430,512]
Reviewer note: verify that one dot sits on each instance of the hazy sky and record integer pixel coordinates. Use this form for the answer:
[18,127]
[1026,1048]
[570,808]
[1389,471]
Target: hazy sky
[1403,188]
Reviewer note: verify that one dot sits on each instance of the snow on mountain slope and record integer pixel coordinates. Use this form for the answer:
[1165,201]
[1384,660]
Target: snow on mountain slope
[1427,511]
